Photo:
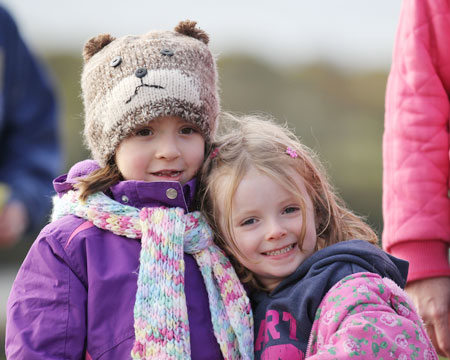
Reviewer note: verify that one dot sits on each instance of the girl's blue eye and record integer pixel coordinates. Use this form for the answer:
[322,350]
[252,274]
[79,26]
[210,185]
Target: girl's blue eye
[291,209]
[248,222]
[144,132]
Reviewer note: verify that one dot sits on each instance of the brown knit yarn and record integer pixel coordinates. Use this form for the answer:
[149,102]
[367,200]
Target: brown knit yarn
[128,81]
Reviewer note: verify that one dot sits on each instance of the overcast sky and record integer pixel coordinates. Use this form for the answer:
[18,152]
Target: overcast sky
[351,33]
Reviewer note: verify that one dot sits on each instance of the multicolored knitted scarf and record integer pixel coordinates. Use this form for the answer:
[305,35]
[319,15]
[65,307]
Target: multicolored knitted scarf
[160,312]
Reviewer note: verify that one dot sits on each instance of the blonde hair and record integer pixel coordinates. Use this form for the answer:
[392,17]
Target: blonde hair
[258,142]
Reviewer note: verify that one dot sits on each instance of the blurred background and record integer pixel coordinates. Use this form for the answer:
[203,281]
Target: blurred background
[321,66]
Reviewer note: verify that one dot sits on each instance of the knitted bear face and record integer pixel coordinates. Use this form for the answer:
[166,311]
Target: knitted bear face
[129,81]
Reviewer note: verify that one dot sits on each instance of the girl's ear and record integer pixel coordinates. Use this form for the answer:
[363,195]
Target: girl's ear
[188,28]
[95,44]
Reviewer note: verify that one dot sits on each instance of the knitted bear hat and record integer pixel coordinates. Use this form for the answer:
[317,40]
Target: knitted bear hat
[128,81]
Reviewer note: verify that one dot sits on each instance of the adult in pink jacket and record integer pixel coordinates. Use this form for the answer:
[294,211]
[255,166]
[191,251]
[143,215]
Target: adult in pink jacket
[416,202]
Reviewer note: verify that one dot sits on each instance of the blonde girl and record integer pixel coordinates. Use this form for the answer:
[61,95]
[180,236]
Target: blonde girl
[319,284]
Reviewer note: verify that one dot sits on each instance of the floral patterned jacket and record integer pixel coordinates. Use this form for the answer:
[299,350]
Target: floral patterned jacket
[368,317]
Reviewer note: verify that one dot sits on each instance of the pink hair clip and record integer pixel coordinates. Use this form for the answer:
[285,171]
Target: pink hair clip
[214,153]
[291,152]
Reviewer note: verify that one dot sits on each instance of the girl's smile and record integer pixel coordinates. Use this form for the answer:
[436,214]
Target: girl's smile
[168,175]
[280,252]
[166,149]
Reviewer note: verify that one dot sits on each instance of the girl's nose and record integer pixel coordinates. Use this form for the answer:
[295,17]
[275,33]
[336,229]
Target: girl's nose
[275,231]
[167,148]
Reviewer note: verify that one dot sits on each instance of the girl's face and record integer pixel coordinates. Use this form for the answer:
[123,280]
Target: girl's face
[166,149]
[267,225]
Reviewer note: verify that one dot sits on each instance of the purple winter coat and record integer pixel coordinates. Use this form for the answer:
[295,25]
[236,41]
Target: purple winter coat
[74,294]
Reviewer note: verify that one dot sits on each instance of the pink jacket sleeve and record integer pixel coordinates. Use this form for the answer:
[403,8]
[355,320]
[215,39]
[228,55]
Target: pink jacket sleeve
[416,204]
[368,317]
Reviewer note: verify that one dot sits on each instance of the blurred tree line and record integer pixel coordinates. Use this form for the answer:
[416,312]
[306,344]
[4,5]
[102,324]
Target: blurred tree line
[339,113]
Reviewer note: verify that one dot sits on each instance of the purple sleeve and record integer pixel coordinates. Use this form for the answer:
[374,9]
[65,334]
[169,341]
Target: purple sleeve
[46,306]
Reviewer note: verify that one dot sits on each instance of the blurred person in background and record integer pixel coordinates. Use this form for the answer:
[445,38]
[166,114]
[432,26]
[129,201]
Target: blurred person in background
[29,150]
[416,204]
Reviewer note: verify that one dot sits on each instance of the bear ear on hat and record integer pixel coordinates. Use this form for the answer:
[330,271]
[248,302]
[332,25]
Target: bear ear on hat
[187,27]
[94,45]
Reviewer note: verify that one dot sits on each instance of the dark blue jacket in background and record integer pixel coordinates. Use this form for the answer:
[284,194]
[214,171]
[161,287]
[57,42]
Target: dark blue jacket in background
[29,148]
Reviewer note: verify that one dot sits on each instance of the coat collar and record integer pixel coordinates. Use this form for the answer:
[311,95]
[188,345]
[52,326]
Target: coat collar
[134,193]
[144,194]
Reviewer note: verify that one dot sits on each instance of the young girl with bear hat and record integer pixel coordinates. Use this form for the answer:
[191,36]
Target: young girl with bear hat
[125,267]
[319,287]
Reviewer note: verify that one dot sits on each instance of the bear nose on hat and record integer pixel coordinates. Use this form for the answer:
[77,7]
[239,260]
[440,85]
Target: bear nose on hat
[140,73]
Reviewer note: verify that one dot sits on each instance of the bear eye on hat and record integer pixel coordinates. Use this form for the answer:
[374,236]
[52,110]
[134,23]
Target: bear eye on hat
[116,61]
[166,52]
